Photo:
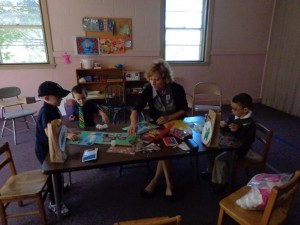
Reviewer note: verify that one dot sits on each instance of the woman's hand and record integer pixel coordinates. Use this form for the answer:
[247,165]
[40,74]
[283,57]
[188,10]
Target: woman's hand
[133,129]
[162,120]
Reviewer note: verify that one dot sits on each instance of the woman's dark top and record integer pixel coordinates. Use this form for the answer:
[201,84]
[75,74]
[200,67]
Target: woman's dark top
[160,105]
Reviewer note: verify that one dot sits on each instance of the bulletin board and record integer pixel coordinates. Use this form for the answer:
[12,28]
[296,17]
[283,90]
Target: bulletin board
[109,28]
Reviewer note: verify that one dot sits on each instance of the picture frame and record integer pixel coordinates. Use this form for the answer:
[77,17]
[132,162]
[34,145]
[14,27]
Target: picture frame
[87,45]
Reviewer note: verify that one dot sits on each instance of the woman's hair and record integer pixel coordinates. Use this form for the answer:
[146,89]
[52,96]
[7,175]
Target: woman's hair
[161,67]
[79,89]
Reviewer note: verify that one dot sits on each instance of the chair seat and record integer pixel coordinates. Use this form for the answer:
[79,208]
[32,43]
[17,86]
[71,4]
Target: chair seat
[206,107]
[23,184]
[244,215]
[18,114]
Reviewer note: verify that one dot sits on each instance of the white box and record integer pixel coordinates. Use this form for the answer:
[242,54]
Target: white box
[132,75]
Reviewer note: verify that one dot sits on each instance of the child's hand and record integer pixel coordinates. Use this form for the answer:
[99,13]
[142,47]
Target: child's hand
[105,118]
[72,136]
[223,124]
[234,127]
[72,117]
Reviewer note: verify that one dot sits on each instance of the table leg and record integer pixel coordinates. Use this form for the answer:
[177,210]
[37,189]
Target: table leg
[57,195]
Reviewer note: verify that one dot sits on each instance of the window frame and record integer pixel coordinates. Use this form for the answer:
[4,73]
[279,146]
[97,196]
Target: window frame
[48,43]
[207,36]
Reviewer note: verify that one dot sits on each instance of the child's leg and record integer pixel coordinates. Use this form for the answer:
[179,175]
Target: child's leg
[219,170]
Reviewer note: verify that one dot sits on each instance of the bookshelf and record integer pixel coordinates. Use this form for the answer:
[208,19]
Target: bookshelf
[95,81]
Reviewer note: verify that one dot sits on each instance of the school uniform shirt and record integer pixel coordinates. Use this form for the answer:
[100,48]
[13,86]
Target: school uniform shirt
[89,109]
[173,100]
[245,134]
[46,114]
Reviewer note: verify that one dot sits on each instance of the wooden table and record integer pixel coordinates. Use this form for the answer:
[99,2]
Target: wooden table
[106,159]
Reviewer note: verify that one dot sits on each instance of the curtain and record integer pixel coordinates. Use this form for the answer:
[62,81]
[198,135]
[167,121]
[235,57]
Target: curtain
[282,73]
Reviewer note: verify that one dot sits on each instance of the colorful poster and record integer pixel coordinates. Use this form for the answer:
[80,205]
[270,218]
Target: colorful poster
[87,46]
[112,46]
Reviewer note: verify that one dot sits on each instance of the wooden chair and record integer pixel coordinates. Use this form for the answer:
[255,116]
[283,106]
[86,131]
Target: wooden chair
[11,95]
[258,155]
[275,212]
[176,220]
[211,92]
[30,185]
[122,115]
[114,96]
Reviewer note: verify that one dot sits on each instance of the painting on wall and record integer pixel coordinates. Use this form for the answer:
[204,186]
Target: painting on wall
[112,46]
[87,46]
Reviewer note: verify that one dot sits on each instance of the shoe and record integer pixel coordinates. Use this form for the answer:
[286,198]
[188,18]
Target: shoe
[146,194]
[64,210]
[206,175]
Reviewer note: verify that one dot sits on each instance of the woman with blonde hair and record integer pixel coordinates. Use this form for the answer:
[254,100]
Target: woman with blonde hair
[167,101]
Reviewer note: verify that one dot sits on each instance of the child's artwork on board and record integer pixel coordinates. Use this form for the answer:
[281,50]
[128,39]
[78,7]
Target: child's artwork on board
[87,45]
[112,46]
[125,32]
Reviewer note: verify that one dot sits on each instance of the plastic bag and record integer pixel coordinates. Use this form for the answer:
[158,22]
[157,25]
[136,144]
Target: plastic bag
[261,185]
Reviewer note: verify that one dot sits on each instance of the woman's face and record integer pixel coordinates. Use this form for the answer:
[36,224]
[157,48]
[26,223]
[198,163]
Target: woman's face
[157,82]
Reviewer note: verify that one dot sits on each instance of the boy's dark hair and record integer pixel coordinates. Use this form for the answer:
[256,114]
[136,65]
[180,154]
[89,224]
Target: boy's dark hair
[79,89]
[243,99]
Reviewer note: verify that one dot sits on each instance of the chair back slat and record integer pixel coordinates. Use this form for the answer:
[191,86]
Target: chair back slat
[8,160]
[9,92]
[280,201]
[264,135]
[205,92]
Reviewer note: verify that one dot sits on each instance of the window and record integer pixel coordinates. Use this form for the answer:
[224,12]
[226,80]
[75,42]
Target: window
[24,33]
[186,30]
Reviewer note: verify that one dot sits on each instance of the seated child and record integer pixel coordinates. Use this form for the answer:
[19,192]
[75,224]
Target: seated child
[84,110]
[51,93]
[240,130]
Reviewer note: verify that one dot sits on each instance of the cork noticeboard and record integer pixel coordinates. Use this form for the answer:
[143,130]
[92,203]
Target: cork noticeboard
[105,28]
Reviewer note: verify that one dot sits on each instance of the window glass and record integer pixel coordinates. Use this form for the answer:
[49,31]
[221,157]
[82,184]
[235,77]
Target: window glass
[22,37]
[186,26]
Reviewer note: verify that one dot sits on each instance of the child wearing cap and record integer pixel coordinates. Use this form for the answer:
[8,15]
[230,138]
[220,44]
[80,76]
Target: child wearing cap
[51,93]
[84,110]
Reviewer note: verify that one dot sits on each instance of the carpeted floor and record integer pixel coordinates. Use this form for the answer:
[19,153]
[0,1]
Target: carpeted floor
[103,197]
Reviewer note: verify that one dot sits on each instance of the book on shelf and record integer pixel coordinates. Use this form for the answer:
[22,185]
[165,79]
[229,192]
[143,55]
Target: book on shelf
[89,154]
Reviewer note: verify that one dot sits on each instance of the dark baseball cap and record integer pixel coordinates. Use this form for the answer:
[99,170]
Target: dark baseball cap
[52,88]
